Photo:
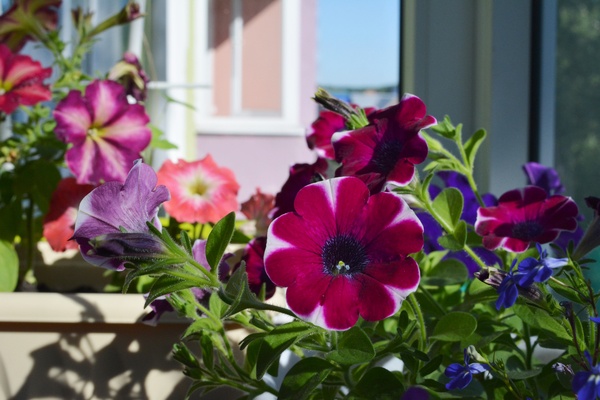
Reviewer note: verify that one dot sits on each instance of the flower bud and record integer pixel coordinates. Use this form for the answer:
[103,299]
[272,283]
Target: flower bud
[128,246]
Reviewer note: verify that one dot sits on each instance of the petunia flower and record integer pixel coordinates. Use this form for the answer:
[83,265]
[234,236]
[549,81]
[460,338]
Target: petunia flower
[27,20]
[114,208]
[201,190]
[462,375]
[525,216]
[344,254]
[300,176]
[507,285]
[534,270]
[318,136]
[107,133]
[258,208]
[59,222]
[386,150]
[21,81]
[545,177]
[586,384]
[548,179]
[255,267]
[130,74]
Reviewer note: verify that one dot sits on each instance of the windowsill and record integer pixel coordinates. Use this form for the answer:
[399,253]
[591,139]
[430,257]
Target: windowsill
[250,126]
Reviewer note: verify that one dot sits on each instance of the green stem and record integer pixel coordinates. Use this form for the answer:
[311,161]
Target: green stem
[433,301]
[420,320]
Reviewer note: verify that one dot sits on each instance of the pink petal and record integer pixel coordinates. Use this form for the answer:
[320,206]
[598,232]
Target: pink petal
[107,101]
[30,95]
[73,118]
[129,129]
[23,68]
[340,304]
[401,276]
[304,297]
[376,301]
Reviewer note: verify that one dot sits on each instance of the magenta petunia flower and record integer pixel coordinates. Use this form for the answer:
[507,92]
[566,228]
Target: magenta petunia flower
[59,222]
[258,208]
[318,136]
[113,207]
[107,133]
[344,254]
[21,81]
[202,191]
[525,216]
[28,20]
[130,74]
[386,150]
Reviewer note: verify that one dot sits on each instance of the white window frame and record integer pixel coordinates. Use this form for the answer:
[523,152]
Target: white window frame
[288,123]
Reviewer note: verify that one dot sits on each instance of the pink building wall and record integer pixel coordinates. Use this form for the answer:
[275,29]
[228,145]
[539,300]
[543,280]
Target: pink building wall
[264,160]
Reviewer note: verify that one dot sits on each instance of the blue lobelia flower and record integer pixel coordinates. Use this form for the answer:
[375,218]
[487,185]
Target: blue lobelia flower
[534,270]
[462,375]
[508,291]
[586,384]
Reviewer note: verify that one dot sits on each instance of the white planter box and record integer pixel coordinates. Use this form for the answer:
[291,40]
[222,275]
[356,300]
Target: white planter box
[85,346]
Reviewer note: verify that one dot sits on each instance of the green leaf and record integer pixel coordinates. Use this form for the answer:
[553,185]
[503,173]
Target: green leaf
[540,319]
[38,180]
[216,305]
[378,383]
[445,128]
[219,239]
[520,375]
[11,217]
[9,267]
[432,365]
[206,344]
[447,272]
[158,140]
[455,241]
[472,145]
[454,326]
[354,347]
[278,340]
[167,284]
[303,378]
[449,205]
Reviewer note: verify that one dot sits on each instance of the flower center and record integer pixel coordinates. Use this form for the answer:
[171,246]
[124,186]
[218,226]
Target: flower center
[343,255]
[2,90]
[93,132]
[198,188]
[527,230]
[386,154]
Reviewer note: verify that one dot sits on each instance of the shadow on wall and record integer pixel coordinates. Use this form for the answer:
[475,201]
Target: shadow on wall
[89,359]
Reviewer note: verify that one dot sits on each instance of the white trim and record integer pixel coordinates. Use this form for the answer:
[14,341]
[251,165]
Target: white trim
[136,32]
[288,124]
[236,33]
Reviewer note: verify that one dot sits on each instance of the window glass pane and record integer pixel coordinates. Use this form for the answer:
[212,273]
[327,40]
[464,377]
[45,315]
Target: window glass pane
[359,50]
[578,99]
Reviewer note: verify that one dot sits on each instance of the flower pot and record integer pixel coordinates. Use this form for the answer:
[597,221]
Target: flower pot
[92,346]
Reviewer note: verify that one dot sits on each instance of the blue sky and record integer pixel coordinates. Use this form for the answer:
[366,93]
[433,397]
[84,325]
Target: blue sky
[358,42]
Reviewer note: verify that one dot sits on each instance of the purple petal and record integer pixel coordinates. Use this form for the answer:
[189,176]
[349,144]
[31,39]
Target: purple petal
[73,118]
[107,101]
[544,177]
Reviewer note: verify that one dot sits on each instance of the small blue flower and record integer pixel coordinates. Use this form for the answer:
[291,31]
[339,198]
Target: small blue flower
[462,375]
[534,270]
[508,290]
[586,384]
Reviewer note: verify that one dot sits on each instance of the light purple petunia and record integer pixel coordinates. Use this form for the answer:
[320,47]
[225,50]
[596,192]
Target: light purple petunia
[107,133]
[386,150]
[344,254]
[523,216]
[114,207]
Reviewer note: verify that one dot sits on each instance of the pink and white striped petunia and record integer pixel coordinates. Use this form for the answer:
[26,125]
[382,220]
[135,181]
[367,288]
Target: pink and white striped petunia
[107,133]
[386,150]
[523,216]
[344,254]
[201,191]
[21,81]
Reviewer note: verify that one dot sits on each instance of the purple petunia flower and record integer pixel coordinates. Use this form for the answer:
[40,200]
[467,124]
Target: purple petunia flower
[386,150]
[344,254]
[545,177]
[114,207]
[525,216]
[586,384]
[433,230]
[534,270]
[107,133]
[318,136]
[462,375]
